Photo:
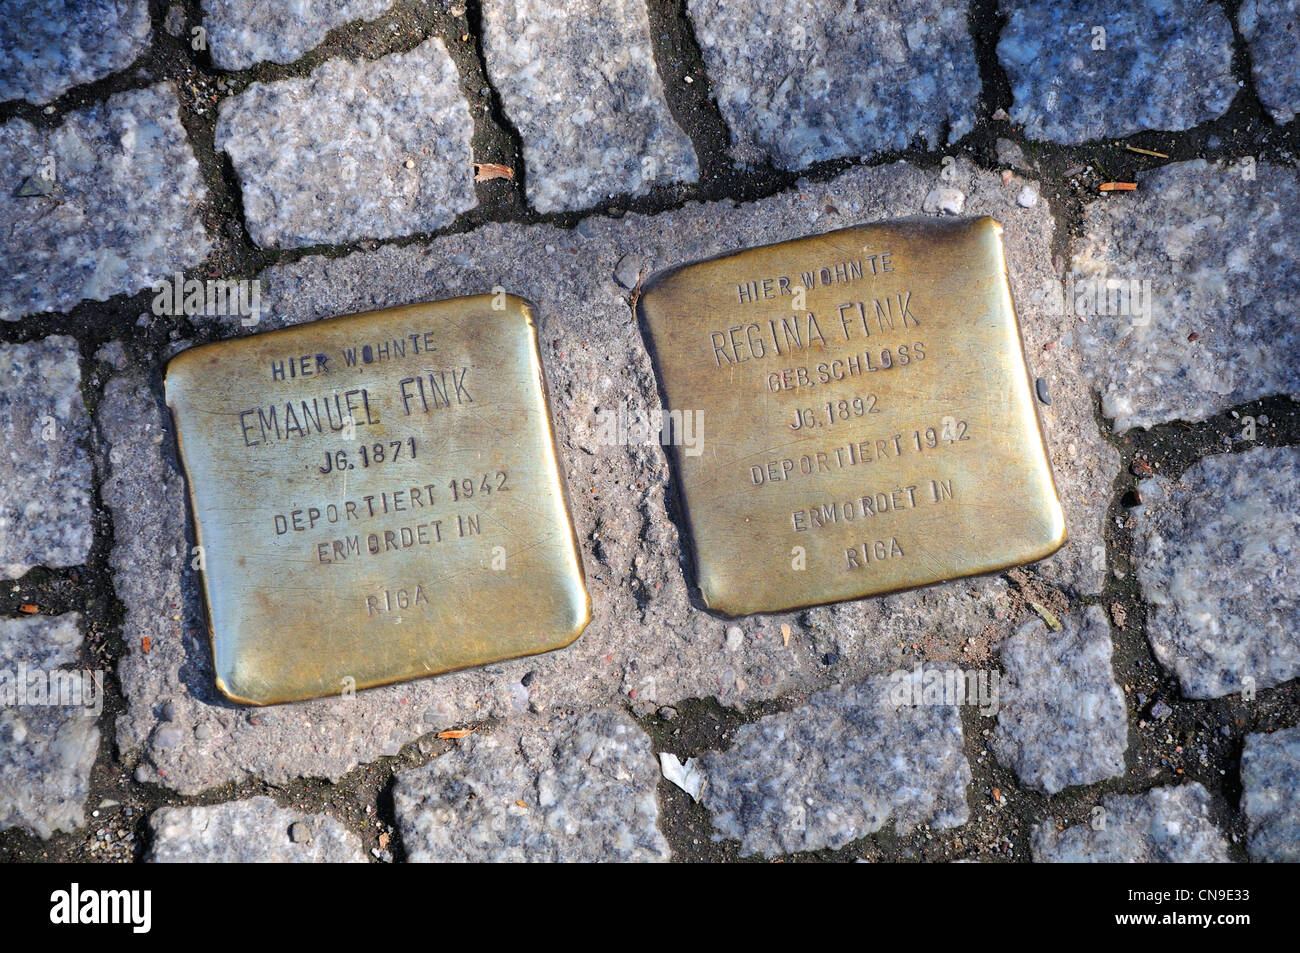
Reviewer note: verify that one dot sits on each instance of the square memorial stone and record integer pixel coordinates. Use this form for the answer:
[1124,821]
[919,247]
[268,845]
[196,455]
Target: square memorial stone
[851,415]
[377,498]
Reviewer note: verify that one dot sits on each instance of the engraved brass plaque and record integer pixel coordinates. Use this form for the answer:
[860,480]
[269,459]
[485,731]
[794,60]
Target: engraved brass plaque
[377,498]
[865,417]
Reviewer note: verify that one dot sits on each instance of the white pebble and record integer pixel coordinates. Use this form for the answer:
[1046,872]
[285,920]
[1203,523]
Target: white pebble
[943,198]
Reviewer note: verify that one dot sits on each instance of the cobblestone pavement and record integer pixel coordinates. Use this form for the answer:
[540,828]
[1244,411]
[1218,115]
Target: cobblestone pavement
[1133,697]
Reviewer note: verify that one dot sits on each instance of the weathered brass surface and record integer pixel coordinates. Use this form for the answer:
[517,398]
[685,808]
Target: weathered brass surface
[867,422]
[377,498]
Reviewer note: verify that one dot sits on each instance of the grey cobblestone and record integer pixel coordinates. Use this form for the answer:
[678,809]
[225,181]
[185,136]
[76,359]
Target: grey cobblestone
[1272,29]
[1164,825]
[1216,249]
[842,766]
[46,751]
[1270,780]
[1062,719]
[579,81]
[1215,554]
[105,203]
[45,508]
[1086,69]
[354,150]
[242,33]
[255,831]
[800,81]
[49,46]
[581,790]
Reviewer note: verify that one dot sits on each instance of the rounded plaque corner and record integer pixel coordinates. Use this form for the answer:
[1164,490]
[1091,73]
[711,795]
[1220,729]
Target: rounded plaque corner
[1060,538]
[523,310]
[990,224]
[1057,534]
[654,285]
[229,688]
[722,602]
[520,303]
[579,612]
[652,281]
[178,370]
[501,302]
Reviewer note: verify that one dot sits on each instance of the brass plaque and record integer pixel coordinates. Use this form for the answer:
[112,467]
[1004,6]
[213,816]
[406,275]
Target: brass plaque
[865,422]
[377,498]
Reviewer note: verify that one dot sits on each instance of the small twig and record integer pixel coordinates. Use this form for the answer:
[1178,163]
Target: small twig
[1146,152]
